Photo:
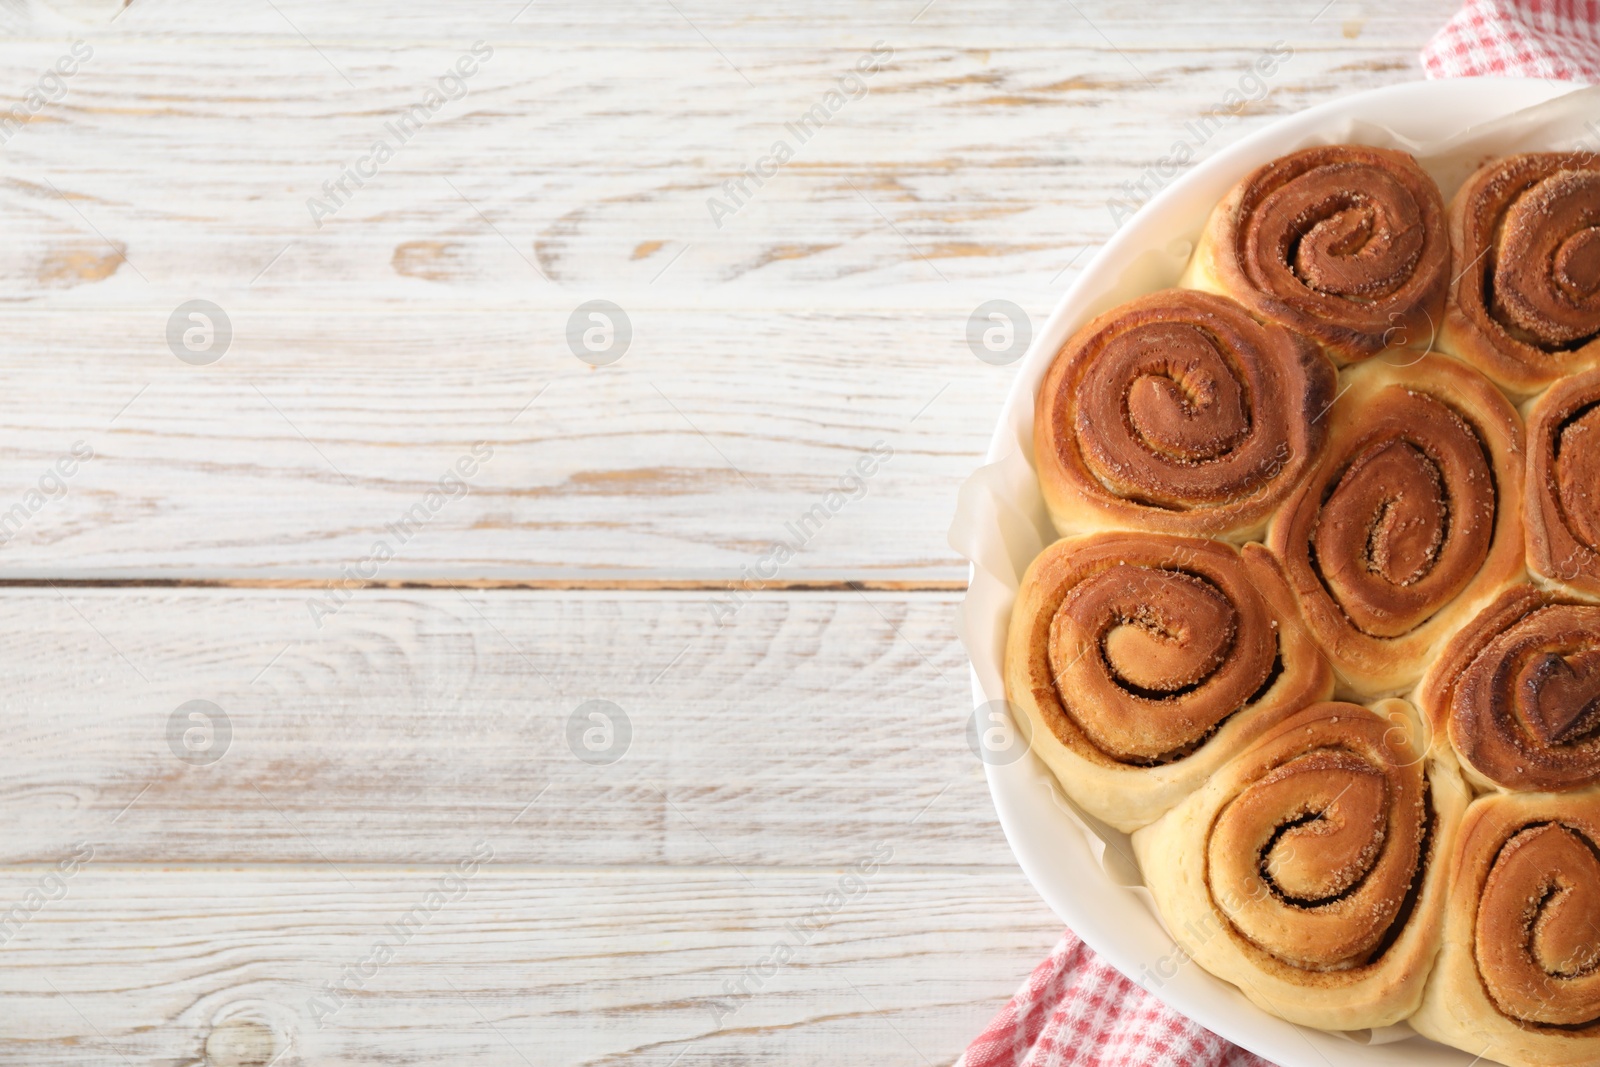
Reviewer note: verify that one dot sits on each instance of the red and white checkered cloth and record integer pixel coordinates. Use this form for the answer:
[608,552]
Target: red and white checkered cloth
[1076,1010]
[1519,38]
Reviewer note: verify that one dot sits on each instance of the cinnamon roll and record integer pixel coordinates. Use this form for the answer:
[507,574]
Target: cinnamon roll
[1518,980]
[1343,243]
[1143,661]
[1518,693]
[1309,871]
[1178,413]
[1411,522]
[1525,304]
[1563,484]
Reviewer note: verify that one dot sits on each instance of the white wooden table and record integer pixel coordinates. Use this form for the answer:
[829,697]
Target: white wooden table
[184,891]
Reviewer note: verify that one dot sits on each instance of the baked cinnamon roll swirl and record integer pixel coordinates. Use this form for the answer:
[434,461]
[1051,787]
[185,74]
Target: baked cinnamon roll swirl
[1309,871]
[1525,304]
[1142,662]
[1563,484]
[1411,522]
[1178,413]
[1518,980]
[1518,693]
[1343,243]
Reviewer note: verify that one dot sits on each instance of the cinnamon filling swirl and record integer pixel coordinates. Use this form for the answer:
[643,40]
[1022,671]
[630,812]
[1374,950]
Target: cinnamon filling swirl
[1180,413]
[1523,704]
[1408,521]
[1149,660]
[1344,243]
[1525,306]
[1315,861]
[1564,483]
[1537,935]
[1543,282]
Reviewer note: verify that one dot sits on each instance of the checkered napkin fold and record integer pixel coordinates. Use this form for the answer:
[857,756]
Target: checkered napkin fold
[1076,1010]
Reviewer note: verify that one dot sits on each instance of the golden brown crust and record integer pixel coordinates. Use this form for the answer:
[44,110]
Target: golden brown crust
[1411,522]
[1563,484]
[1517,691]
[1142,661]
[1177,413]
[1525,304]
[1518,980]
[1343,243]
[1309,871]
[1174,675]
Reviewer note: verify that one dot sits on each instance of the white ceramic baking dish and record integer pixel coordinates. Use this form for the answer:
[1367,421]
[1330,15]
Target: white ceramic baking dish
[1084,873]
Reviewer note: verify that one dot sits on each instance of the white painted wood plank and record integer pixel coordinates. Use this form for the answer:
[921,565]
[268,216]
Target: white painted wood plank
[524,965]
[804,730]
[1133,27]
[293,456]
[367,354]
[958,175]
[370,354]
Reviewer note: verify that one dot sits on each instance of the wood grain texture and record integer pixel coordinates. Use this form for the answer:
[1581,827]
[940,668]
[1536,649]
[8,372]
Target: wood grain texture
[957,175]
[807,728]
[370,753]
[622,905]
[816,24]
[827,314]
[278,463]
[525,965]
